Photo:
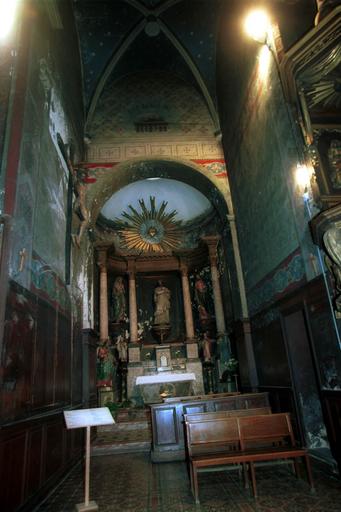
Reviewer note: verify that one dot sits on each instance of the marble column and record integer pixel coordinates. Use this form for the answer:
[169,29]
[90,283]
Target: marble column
[132,302]
[212,244]
[187,302]
[103,295]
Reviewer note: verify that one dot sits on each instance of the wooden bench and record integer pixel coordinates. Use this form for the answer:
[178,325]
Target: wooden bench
[241,440]
[199,416]
[172,399]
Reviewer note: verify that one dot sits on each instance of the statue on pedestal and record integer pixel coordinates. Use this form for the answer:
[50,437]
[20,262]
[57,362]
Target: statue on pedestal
[119,300]
[161,327]
[162,297]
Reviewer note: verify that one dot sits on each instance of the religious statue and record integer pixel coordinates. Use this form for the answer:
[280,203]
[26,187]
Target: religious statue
[162,297]
[105,364]
[122,348]
[200,295]
[119,300]
[206,348]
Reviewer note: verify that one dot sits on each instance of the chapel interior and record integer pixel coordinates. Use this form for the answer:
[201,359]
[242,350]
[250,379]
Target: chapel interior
[170,247]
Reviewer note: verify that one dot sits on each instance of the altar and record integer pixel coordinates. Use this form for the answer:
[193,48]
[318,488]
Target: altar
[161,327]
[162,385]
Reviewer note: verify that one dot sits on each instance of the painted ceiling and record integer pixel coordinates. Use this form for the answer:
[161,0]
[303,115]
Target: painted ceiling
[186,200]
[128,36]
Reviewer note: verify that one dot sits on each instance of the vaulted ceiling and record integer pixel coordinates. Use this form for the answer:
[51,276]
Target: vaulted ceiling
[128,36]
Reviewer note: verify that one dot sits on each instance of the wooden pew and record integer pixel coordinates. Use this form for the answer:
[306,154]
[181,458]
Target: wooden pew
[168,420]
[259,411]
[241,440]
[173,399]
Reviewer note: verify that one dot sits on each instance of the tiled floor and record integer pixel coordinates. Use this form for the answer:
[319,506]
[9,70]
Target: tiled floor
[131,483]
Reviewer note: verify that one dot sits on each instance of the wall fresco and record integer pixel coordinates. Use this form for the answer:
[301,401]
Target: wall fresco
[285,278]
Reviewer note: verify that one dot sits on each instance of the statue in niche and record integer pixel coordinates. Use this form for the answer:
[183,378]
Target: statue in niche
[332,242]
[162,297]
[119,300]
[105,364]
[200,295]
[207,348]
[122,348]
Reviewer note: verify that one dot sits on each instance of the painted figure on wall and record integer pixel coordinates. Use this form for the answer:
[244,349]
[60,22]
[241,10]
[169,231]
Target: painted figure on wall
[201,298]
[162,297]
[119,300]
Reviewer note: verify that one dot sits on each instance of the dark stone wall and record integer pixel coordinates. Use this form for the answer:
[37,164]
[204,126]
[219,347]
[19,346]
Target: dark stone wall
[41,357]
[294,338]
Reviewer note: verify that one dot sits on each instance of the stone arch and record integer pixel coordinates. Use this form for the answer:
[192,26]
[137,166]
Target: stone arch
[110,180]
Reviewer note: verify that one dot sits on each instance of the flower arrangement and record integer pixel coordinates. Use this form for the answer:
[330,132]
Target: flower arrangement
[231,366]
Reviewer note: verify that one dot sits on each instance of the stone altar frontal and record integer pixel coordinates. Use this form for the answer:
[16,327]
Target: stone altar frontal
[155,387]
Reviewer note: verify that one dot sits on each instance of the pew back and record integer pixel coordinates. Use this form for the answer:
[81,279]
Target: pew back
[257,411]
[265,430]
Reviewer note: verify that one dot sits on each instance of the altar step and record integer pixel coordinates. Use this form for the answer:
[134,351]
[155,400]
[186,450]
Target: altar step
[130,434]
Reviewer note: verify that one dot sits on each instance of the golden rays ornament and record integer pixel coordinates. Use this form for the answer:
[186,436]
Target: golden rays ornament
[150,230]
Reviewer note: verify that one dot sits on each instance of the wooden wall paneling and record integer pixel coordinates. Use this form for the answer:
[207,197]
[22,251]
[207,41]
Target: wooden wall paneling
[53,447]
[63,360]
[77,364]
[43,381]
[270,354]
[13,451]
[34,462]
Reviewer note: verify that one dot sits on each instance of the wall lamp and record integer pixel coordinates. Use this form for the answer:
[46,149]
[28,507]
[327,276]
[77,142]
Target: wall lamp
[8,11]
[257,25]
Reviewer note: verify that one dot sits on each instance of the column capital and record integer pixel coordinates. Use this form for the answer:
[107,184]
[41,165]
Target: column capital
[183,267]
[131,267]
[101,259]
[212,242]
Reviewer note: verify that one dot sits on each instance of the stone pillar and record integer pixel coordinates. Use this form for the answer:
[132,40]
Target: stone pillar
[187,302]
[212,244]
[103,295]
[132,302]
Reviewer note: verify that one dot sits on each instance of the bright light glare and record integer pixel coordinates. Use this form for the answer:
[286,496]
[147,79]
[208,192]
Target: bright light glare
[264,62]
[8,10]
[257,25]
[303,175]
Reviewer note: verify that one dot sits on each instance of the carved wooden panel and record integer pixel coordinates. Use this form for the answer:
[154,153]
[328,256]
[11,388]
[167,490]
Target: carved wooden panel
[166,426]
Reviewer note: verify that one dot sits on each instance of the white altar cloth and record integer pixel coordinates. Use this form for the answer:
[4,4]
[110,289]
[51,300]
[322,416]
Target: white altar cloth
[165,377]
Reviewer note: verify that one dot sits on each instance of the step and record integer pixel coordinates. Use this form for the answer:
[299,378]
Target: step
[109,449]
[131,425]
[123,437]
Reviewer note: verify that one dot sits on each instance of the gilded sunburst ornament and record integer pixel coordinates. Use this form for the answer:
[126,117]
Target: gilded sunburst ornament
[150,230]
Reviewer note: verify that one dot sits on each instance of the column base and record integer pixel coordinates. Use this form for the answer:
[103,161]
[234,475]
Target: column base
[91,507]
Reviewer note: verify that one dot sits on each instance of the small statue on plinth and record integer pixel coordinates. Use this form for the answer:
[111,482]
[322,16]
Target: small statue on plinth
[119,300]
[161,327]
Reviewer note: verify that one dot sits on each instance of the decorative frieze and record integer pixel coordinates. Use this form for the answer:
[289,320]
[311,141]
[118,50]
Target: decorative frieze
[189,150]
